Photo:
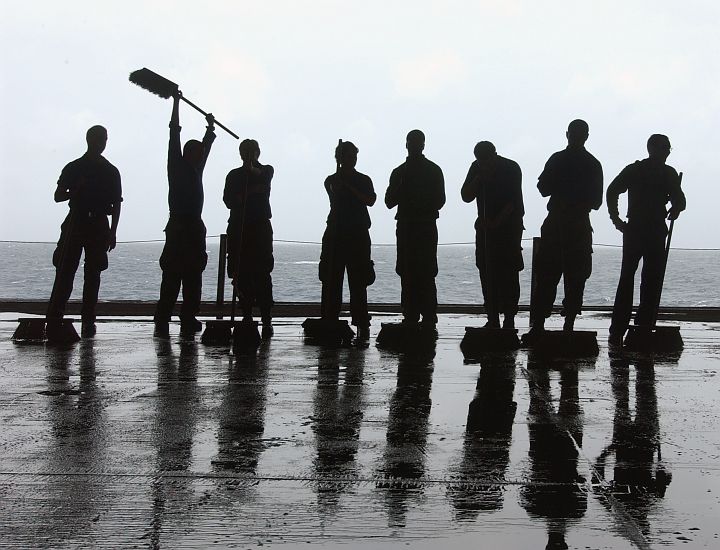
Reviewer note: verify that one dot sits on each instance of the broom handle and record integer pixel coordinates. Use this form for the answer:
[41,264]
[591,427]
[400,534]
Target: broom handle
[664,269]
[186,100]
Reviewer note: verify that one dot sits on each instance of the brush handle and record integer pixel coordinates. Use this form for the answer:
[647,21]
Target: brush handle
[233,134]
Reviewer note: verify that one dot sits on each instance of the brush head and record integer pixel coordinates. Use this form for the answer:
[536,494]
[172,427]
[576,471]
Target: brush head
[154,83]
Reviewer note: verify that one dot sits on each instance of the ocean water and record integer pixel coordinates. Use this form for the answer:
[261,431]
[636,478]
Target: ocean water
[26,273]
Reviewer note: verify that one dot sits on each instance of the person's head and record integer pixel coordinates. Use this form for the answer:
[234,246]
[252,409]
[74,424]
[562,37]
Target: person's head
[193,151]
[577,133]
[485,152]
[346,154]
[658,147]
[96,138]
[415,142]
[249,150]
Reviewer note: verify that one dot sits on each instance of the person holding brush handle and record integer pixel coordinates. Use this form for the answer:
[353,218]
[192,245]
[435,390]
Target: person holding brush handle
[495,183]
[91,185]
[346,241]
[250,234]
[650,185]
[184,257]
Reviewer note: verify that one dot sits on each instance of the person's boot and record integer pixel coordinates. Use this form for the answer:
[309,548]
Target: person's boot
[537,330]
[363,333]
[493,321]
[162,330]
[189,326]
[267,328]
[88,328]
[509,321]
[569,324]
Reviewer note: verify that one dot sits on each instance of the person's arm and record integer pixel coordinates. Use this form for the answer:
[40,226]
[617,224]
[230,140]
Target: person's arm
[174,149]
[546,180]
[366,195]
[677,198]
[439,198]
[394,187]
[597,188]
[67,184]
[229,197]
[469,189]
[263,187]
[617,187]
[208,138]
[114,221]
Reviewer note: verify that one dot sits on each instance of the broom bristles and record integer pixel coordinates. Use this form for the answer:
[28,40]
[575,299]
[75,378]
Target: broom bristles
[153,83]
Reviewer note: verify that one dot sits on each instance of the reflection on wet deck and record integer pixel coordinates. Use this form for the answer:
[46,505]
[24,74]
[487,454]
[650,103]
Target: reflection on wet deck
[126,441]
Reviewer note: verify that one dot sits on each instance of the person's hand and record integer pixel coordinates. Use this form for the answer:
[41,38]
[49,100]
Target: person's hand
[619,224]
[177,95]
[673,214]
[210,120]
[111,241]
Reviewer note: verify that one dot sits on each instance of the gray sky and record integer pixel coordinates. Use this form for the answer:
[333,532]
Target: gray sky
[299,75]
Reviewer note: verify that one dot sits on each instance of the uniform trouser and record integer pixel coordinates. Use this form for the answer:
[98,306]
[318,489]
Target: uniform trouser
[565,251]
[498,256]
[250,264]
[79,233]
[346,250]
[182,261]
[417,266]
[647,244]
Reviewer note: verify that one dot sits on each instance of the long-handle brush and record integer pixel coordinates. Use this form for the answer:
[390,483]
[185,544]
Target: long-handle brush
[161,86]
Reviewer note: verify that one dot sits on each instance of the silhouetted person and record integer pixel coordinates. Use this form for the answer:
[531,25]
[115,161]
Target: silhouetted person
[573,180]
[250,233]
[92,186]
[417,188]
[184,258]
[495,184]
[650,185]
[346,242]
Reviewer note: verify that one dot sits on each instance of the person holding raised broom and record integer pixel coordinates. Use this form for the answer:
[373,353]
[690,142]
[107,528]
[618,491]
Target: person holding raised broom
[250,233]
[650,185]
[184,257]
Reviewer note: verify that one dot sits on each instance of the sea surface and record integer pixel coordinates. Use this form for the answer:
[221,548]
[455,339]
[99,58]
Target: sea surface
[26,273]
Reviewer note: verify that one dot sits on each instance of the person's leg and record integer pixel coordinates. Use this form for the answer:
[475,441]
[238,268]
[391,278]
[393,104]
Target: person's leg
[333,259]
[169,290]
[485,269]
[549,271]
[66,260]
[427,268]
[622,306]
[577,268]
[407,292]
[358,271]
[263,278]
[192,294]
[96,261]
[651,278]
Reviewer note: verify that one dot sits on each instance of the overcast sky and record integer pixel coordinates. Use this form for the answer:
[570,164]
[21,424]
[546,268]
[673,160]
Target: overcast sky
[298,75]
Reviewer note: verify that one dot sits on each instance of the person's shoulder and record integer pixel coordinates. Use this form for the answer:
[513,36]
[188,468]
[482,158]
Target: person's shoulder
[363,178]
[109,165]
[509,163]
[671,172]
[268,169]
[234,174]
[433,166]
[592,158]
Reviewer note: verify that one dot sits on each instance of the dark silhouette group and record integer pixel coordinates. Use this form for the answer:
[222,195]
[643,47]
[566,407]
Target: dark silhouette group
[572,180]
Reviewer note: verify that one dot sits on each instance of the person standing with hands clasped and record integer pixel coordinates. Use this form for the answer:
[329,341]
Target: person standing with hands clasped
[650,185]
[346,241]
[92,186]
[250,233]
[184,258]
[495,183]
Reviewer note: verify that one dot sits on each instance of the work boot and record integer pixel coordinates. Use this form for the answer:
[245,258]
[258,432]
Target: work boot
[267,330]
[509,322]
[536,332]
[363,333]
[162,330]
[88,329]
[189,326]
[569,324]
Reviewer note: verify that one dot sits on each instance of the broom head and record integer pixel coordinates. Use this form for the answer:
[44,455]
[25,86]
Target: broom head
[154,83]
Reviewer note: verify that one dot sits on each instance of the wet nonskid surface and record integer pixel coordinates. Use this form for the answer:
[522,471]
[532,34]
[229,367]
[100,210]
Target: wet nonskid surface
[127,441]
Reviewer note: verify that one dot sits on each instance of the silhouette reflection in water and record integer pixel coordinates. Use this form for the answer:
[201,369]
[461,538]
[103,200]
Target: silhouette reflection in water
[337,417]
[405,452]
[488,435]
[173,431]
[242,415]
[79,440]
[640,478]
[555,490]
